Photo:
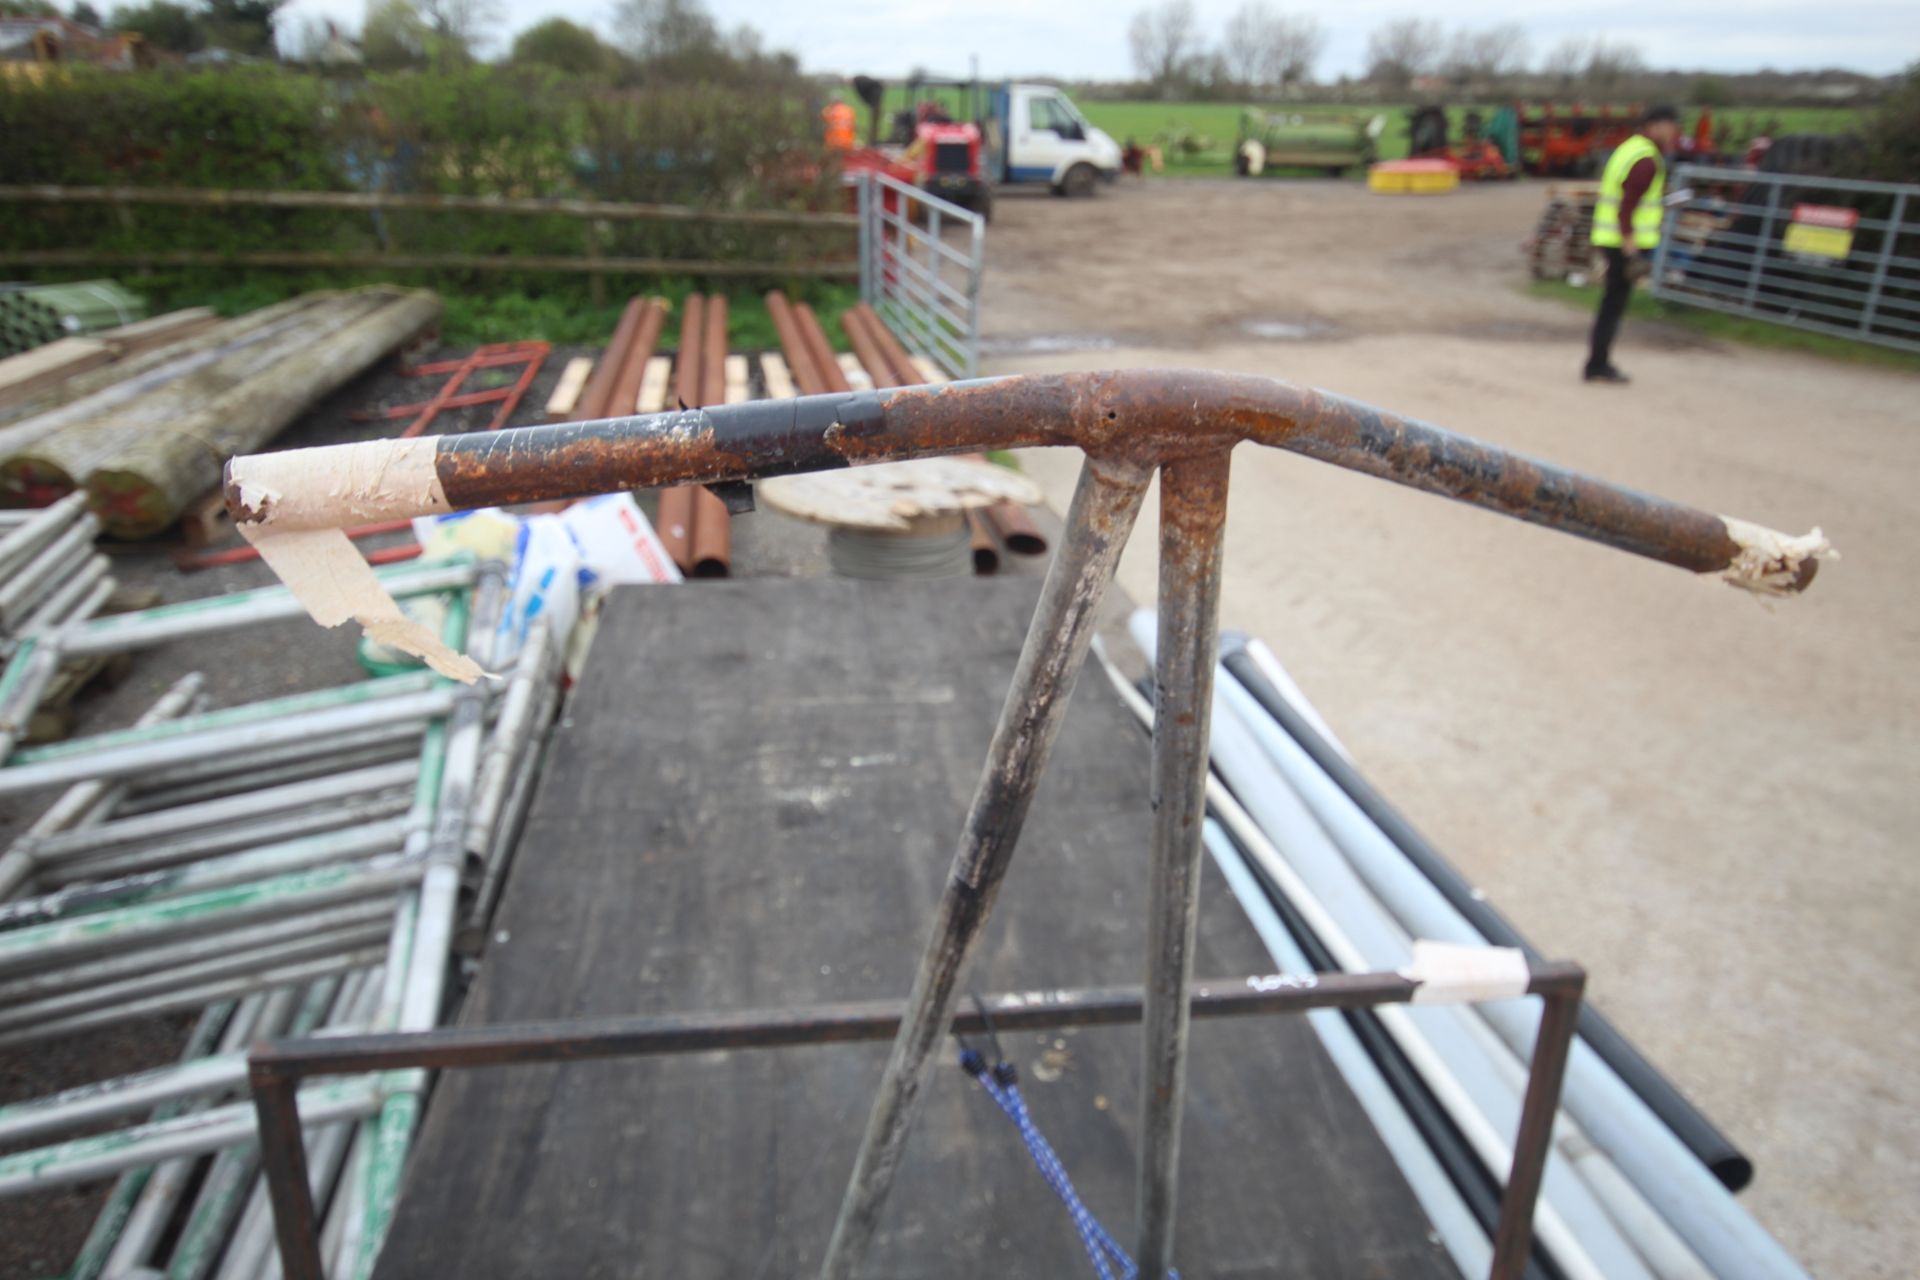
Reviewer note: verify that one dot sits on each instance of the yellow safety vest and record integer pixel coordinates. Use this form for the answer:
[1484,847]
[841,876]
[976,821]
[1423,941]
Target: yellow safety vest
[1647,214]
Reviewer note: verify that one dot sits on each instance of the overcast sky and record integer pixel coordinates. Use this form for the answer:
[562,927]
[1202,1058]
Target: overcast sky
[1086,39]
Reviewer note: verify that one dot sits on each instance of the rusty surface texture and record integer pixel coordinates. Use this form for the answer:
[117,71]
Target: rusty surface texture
[1145,416]
[276,1068]
[1193,516]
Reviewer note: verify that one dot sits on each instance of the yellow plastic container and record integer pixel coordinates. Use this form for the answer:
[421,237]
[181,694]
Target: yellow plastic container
[1413,177]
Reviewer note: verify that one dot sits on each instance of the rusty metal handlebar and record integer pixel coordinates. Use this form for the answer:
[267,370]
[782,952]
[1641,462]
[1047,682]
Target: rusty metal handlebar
[1140,416]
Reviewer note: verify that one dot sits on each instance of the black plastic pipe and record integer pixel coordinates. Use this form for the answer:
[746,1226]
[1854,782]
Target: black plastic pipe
[1710,1146]
[1456,1157]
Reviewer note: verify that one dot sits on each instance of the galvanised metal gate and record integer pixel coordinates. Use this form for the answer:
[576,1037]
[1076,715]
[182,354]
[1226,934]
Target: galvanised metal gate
[1827,254]
[924,282]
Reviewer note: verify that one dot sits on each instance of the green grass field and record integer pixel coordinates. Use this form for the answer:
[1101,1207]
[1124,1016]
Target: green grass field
[1198,137]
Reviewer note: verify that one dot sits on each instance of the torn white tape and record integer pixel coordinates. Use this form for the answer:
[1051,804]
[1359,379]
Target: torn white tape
[1451,973]
[1769,562]
[300,500]
[326,573]
[338,485]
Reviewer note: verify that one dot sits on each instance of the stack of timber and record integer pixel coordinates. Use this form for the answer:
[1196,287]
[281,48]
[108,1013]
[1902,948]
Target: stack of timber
[39,314]
[25,376]
[145,445]
[318,861]
[1561,247]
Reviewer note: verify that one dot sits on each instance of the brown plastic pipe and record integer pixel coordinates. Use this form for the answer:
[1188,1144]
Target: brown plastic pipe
[821,351]
[626,386]
[867,347]
[711,544]
[806,379]
[595,396]
[676,504]
[891,347]
[1003,522]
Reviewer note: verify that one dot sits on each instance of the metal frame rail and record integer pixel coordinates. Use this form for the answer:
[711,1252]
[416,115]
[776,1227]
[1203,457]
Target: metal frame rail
[907,271]
[1183,424]
[1871,293]
[275,1070]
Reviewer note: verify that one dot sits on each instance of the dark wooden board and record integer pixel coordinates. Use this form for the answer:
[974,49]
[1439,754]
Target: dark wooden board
[752,802]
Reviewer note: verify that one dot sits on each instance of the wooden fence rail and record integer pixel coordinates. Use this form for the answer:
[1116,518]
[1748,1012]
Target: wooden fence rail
[590,212]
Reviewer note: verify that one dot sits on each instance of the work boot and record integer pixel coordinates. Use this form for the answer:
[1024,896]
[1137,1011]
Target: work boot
[1608,374]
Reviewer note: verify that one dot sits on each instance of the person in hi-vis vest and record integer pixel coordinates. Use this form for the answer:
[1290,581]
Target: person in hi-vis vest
[1626,225]
[840,125]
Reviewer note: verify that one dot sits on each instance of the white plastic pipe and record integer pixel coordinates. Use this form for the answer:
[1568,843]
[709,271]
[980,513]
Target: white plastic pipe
[1694,1202]
[1460,1233]
[1571,1224]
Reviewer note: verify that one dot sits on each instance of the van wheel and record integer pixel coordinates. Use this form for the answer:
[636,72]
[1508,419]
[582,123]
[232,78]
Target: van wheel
[1078,184]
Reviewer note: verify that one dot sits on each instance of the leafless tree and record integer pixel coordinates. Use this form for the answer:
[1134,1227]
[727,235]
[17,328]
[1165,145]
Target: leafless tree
[459,25]
[1487,58]
[1295,45]
[1611,61]
[1404,50]
[1164,38]
[1567,62]
[664,29]
[1245,44]
[1263,47]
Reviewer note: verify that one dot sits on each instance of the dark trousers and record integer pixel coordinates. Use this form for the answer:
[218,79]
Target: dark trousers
[1613,305]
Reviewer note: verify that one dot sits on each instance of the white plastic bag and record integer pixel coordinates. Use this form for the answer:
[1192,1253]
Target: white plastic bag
[616,543]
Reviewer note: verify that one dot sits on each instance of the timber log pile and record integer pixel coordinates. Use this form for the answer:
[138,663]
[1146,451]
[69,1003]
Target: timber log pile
[151,436]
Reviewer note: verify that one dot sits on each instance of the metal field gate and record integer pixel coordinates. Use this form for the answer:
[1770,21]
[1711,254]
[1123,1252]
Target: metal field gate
[921,260]
[1829,255]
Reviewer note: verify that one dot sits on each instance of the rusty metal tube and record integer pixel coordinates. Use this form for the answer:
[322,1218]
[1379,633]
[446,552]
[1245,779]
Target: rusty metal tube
[1137,414]
[1104,506]
[1193,516]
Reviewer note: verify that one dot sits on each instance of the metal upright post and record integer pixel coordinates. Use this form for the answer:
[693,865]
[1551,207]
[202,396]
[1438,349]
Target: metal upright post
[1104,506]
[1888,238]
[863,198]
[1513,1234]
[975,269]
[283,1155]
[1193,510]
[1765,242]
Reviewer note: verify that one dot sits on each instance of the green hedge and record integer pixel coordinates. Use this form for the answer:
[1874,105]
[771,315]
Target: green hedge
[481,130]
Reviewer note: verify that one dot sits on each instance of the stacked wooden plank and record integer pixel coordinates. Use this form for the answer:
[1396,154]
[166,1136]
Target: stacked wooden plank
[146,445]
[28,374]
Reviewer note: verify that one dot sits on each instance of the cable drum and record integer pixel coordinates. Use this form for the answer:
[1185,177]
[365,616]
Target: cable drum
[942,551]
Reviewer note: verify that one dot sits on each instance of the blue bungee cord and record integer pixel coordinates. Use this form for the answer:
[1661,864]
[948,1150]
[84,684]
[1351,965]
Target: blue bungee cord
[1002,1083]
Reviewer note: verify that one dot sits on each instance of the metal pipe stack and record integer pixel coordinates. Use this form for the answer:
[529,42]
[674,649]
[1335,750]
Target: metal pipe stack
[307,863]
[1637,1183]
[40,314]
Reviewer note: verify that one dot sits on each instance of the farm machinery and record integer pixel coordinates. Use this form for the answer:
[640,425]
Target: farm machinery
[1279,140]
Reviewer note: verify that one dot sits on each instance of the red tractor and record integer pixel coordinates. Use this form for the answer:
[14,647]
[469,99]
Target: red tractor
[926,147]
